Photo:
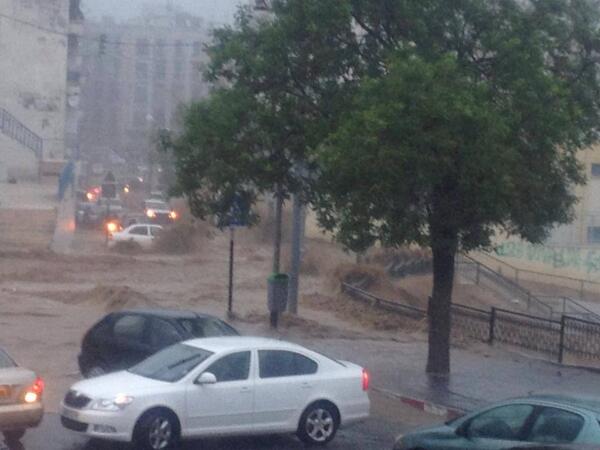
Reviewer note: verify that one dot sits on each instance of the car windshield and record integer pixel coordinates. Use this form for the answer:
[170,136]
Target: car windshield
[112,202]
[157,205]
[207,327]
[172,363]
[5,361]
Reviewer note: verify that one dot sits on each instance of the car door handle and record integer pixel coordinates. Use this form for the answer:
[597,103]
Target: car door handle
[245,390]
[306,385]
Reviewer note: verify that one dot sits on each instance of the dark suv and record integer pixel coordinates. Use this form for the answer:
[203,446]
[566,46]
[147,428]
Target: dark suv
[123,339]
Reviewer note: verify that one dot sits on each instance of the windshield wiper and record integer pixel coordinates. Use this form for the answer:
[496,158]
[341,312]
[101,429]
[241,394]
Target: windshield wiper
[183,361]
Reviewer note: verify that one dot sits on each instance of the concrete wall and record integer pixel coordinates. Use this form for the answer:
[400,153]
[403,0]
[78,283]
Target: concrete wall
[33,67]
[568,261]
[587,210]
[16,161]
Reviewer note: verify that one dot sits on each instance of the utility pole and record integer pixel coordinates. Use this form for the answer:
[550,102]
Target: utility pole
[231,252]
[298,227]
[274,313]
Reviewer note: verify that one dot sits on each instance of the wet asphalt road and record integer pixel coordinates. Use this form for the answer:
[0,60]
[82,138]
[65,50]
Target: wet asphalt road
[374,434]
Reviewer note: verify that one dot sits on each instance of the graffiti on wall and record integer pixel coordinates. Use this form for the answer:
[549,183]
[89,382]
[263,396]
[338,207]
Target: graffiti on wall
[582,259]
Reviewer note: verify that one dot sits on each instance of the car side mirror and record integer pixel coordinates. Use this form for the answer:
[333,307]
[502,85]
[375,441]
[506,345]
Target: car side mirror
[206,378]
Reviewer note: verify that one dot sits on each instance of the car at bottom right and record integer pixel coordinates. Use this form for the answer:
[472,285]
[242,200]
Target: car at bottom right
[220,386]
[544,421]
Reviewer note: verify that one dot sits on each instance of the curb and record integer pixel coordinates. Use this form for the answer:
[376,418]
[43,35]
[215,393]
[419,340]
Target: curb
[423,405]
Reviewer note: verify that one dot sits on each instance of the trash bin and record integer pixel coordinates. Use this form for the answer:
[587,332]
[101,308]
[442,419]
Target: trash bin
[277,292]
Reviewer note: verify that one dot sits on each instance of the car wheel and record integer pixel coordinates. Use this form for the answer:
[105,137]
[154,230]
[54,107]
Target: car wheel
[318,424]
[94,371]
[13,435]
[157,430]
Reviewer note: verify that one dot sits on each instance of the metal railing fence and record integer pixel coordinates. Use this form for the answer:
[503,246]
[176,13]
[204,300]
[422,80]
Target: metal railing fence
[14,129]
[568,337]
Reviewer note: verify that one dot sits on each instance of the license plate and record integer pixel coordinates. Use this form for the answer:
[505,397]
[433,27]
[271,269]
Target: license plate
[4,392]
[69,413]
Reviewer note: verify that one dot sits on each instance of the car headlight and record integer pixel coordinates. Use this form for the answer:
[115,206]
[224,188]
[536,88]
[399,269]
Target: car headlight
[115,404]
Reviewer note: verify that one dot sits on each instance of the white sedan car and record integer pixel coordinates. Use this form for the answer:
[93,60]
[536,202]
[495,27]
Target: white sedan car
[220,386]
[142,234]
[20,399]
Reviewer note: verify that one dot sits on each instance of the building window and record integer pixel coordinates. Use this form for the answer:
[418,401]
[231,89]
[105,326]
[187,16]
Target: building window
[178,49]
[141,95]
[596,170]
[159,48]
[197,48]
[142,47]
[178,93]
[593,235]
[160,118]
[139,119]
[160,70]
[141,71]
[178,68]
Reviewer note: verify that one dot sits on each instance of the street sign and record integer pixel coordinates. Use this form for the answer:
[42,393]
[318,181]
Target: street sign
[238,215]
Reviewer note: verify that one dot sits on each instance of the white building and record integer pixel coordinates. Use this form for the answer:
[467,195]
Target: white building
[34,46]
[138,74]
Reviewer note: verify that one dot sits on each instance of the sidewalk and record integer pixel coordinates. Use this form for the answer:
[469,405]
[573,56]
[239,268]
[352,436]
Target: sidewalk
[477,377]
[65,225]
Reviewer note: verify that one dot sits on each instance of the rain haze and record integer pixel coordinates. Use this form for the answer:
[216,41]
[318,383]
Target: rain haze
[219,11]
[331,222]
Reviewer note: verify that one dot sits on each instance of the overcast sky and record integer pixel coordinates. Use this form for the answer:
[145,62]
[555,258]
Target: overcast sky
[215,10]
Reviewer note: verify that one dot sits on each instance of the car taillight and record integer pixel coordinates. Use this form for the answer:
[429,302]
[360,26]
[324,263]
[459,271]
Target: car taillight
[34,392]
[173,215]
[365,380]
[151,213]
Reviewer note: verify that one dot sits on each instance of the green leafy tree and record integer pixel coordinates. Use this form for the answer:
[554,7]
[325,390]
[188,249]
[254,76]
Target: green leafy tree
[467,124]
[212,165]
[434,122]
[281,93]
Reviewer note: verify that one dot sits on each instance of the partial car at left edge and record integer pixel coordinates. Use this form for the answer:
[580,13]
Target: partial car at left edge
[217,387]
[20,399]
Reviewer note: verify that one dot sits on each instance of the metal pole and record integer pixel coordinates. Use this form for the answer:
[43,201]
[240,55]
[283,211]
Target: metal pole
[105,222]
[297,237]
[274,315]
[231,249]
[492,326]
[561,344]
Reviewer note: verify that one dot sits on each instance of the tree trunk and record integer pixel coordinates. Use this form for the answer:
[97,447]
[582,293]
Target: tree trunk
[278,227]
[444,251]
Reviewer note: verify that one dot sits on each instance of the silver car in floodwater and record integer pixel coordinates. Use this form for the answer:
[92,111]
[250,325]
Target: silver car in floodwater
[21,404]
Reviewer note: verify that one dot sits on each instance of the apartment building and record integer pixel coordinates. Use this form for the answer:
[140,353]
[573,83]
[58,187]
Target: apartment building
[138,74]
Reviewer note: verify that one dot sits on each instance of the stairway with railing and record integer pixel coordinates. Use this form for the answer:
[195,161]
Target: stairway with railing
[546,305]
[578,288]
[11,127]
